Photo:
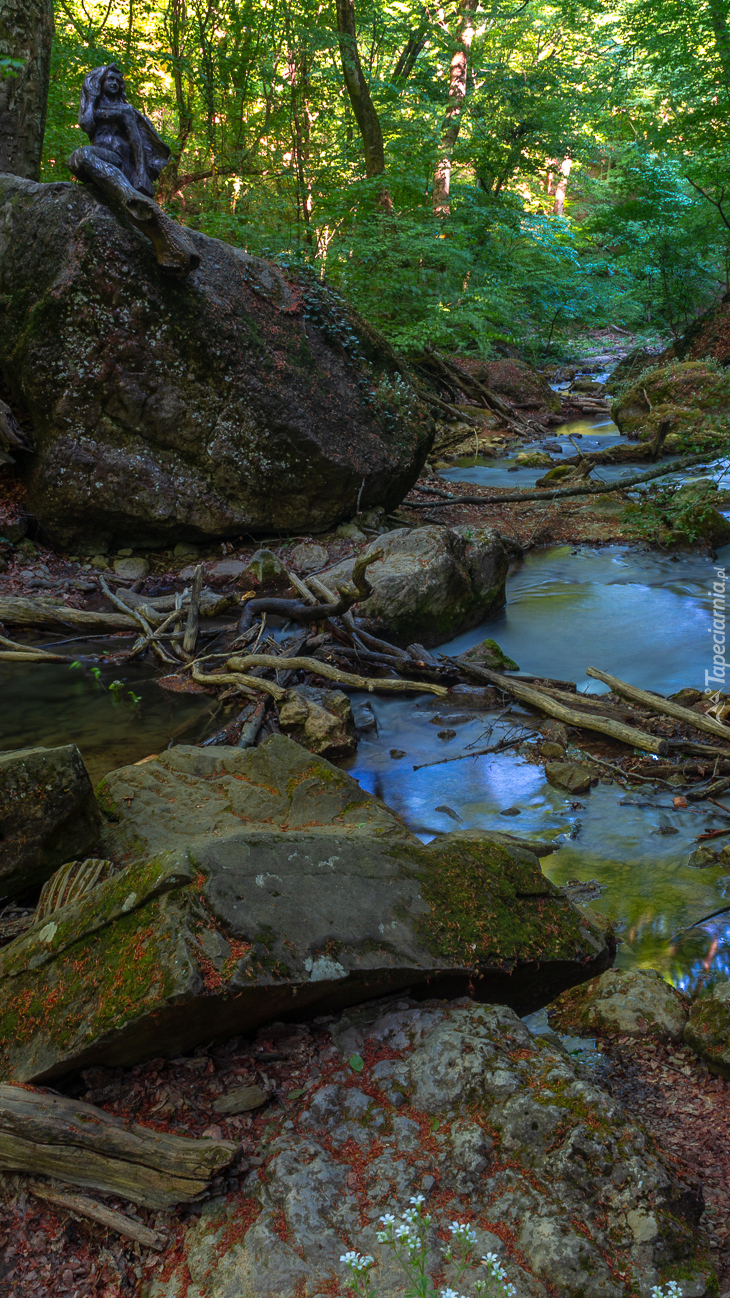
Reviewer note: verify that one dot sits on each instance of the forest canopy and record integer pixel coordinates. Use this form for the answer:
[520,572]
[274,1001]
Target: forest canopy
[469,173]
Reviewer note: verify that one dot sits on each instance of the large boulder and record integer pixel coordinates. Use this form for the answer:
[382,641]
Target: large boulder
[693,396]
[432,582]
[265,882]
[622,1002]
[459,1104]
[238,400]
[48,815]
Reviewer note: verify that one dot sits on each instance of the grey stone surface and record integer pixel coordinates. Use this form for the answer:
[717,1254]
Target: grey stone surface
[320,720]
[257,883]
[308,557]
[495,1126]
[432,582]
[567,775]
[632,1002]
[48,815]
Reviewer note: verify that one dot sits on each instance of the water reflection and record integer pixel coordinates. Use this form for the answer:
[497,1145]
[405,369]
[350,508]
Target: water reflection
[49,704]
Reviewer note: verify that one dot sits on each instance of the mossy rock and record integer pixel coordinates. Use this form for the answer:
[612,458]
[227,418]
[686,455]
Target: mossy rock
[534,460]
[557,474]
[708,1028]
[487,653]
[620,1002]
[265,882]
[693,396]
[246,398]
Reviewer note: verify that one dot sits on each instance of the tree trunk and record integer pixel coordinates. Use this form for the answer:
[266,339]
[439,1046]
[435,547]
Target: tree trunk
[452,120]
[718,17]
[561,187]
[26,33]
[358,90]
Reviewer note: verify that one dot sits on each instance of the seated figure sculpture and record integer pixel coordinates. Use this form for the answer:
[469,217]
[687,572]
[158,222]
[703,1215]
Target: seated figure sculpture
[123,160]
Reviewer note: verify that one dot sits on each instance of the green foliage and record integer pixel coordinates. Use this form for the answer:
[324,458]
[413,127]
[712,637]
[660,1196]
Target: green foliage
[632,96]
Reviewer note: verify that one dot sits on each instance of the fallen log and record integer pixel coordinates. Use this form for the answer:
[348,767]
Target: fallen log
[665,707]
[15,610]
[571,716]
[377,685]
[53,1136]
[82,1206]
[583,489]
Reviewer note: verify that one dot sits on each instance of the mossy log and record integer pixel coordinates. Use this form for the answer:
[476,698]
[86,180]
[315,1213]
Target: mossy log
[665,707]
[83,1145]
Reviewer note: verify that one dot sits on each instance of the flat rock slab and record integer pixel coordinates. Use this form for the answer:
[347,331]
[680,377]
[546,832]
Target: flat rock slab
[265,882]
[238,400]
[459,1103]
[625,1002]
[432,582]
[48,815]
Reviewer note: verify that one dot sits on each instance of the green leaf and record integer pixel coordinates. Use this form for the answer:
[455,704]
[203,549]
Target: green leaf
[357,1063]
[295,1095]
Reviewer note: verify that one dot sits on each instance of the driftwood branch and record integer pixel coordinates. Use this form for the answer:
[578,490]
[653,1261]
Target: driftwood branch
[82,1206]
[572,717]
[191,630]
[666,708]
[83,1145]
[298,611]
[376,685]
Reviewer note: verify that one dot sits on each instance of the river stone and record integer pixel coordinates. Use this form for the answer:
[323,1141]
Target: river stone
[487,653]
[320,720]
[432,582]
[511,1134]
[708,1028]
[132,569]
[48,815]
[240,399]
[265,882]
[308,558]
[267,568]
[566,775]
[629,1002]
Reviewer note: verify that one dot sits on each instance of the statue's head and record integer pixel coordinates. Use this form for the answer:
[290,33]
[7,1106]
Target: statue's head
[106,80]
[113,83]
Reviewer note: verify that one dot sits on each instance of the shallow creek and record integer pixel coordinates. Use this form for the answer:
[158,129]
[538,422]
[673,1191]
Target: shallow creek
[642,616]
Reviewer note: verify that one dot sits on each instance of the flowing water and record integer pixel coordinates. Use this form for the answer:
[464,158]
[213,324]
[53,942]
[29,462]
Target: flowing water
[642,616]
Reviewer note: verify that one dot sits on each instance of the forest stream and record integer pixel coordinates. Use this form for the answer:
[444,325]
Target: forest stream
[643,614]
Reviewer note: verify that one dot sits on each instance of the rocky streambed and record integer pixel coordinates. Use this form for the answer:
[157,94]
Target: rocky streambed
[321,968]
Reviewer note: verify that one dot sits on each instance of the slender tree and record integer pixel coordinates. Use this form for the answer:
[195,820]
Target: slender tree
[452,119]
[26,32]
[366,114]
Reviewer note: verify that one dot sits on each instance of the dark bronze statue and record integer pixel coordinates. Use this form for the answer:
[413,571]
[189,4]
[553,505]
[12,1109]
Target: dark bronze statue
[123,160]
